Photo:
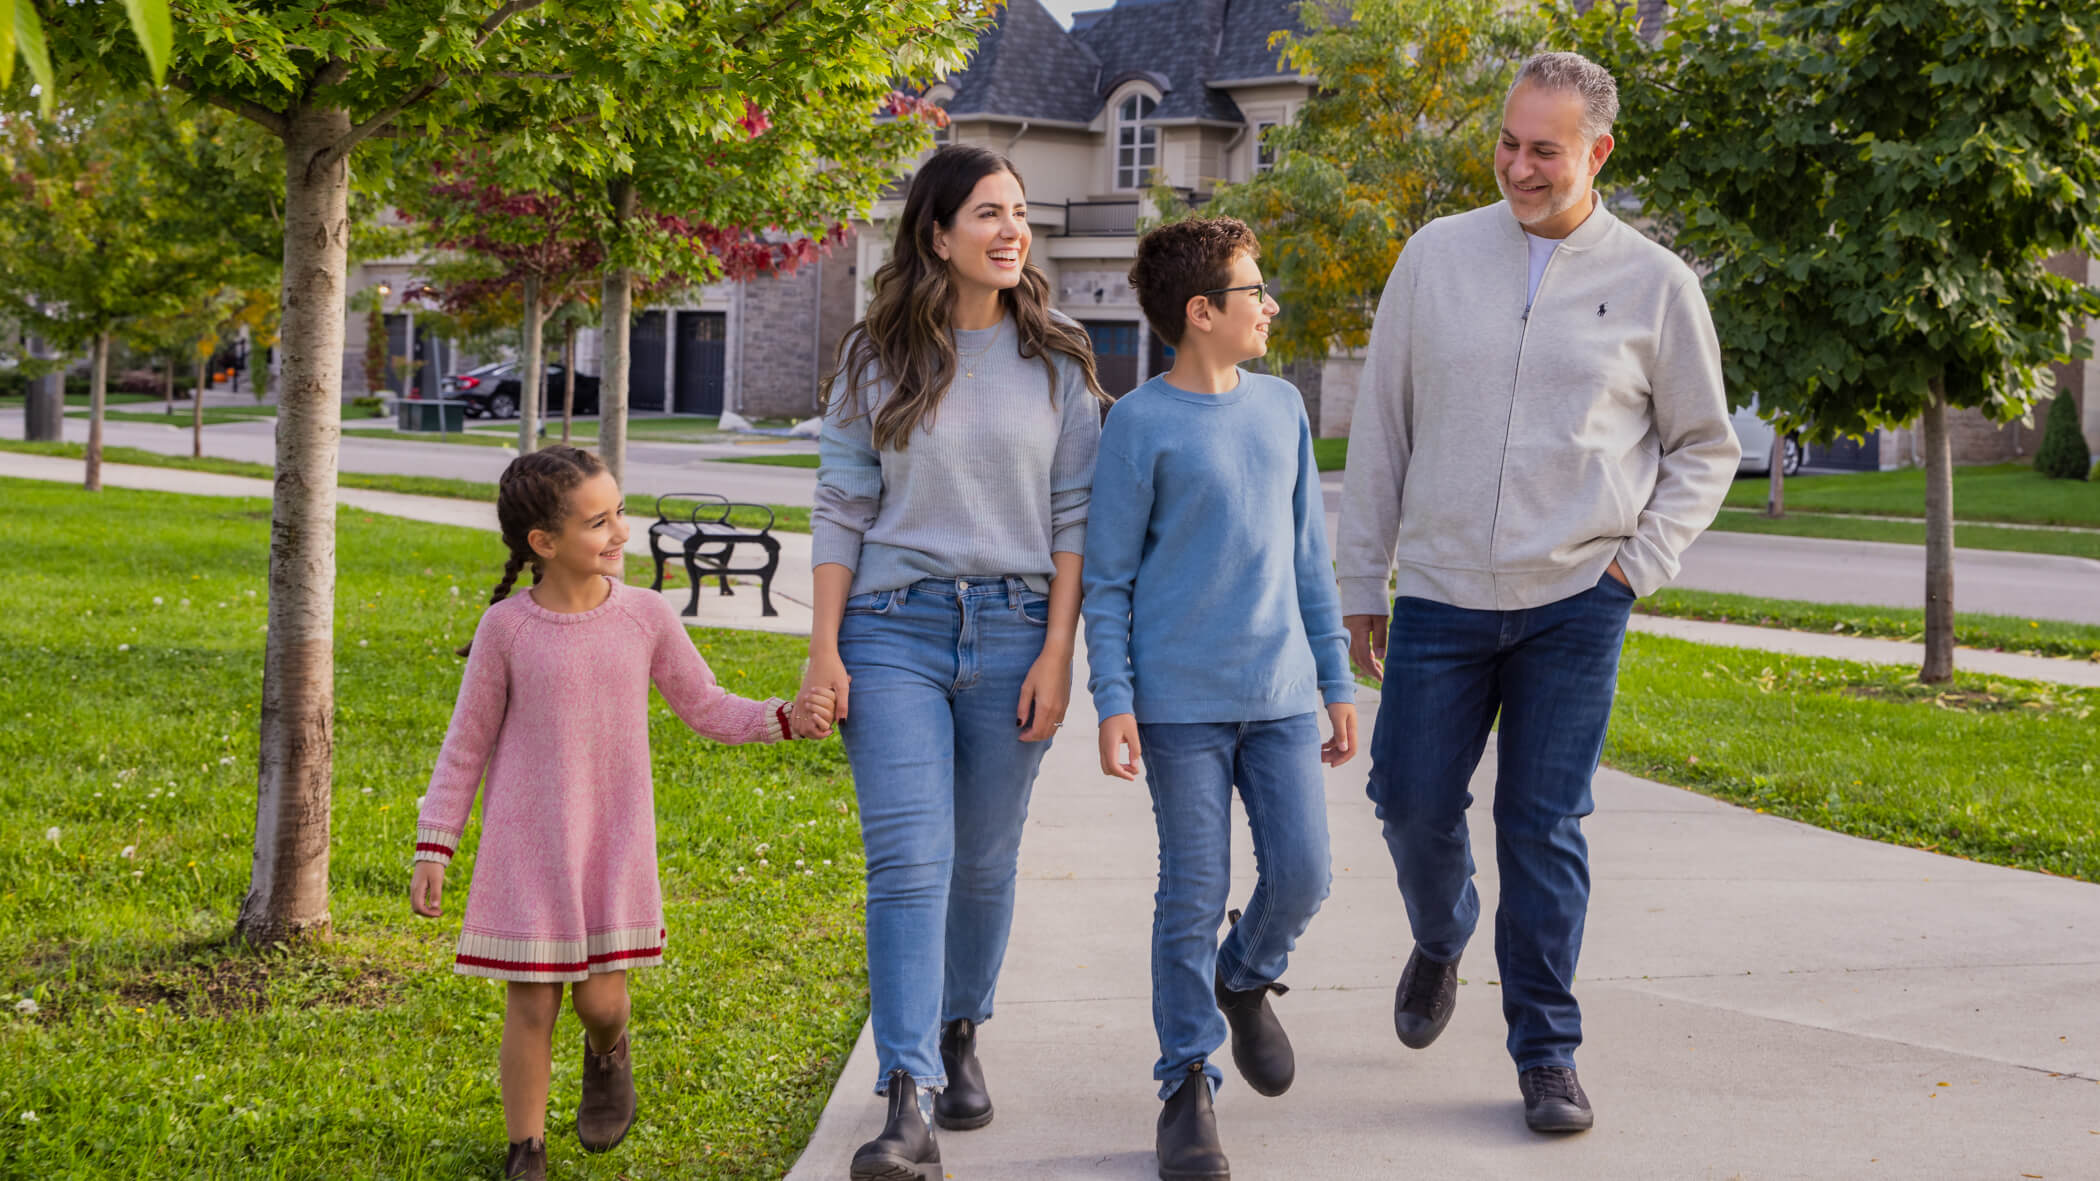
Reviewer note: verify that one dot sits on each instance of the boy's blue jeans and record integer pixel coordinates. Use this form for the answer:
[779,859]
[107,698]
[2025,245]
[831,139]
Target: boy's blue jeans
[1549,674]
[943,780]
[1191,769]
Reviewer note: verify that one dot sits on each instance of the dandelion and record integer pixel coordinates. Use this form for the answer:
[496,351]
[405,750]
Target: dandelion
[454,590]
[368,791]
[798,863]
[250,594]
[827,861]
[51,834]
[228,761]
[130,852]
[761,863]
[157,600]
[29,1117]
[26,1006]
[123,647]
[364,643]
[138,873]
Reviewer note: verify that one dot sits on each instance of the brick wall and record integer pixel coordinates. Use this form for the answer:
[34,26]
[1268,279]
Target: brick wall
[778,335]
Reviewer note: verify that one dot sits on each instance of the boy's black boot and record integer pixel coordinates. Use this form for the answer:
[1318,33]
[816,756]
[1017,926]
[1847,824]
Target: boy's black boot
[1188,1133]
[906,1150]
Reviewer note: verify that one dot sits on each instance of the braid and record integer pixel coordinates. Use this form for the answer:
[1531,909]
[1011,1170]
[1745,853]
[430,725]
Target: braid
[533,494]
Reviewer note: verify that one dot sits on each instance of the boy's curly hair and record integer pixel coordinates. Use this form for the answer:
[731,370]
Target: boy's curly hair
[1181,260]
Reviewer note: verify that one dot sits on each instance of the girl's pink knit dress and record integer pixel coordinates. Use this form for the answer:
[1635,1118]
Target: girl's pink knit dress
[556,709]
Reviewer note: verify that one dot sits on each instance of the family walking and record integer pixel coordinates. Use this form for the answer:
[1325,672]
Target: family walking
[1540,431]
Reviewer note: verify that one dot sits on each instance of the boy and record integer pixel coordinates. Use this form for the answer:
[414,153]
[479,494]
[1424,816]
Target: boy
[1214,636]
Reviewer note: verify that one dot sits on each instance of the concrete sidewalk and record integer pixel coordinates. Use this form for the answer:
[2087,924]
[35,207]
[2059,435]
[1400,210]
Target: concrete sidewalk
[1762,1000]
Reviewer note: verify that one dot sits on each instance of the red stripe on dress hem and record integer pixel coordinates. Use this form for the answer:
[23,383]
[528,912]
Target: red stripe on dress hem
[431,847]
[476,961]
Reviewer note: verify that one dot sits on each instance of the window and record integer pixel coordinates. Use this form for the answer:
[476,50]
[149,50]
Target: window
[1264,155]
[1137,145]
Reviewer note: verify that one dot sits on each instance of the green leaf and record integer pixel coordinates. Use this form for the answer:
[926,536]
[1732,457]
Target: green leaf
[7,42]
[149,19]
[29,37]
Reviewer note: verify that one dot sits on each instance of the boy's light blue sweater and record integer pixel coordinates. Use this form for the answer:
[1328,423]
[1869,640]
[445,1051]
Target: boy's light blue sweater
[1210,596]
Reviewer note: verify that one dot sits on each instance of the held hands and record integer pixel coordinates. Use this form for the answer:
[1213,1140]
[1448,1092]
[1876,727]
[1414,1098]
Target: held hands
[812,714]
[1118,734]
[824,683]
[1342,747]
[1367,637]
[426,890]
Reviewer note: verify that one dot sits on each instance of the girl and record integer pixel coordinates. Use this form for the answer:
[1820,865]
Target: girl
[958,454]
[555,706]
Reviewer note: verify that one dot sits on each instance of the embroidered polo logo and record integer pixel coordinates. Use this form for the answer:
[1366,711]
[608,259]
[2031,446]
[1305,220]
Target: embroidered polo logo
[1600,310]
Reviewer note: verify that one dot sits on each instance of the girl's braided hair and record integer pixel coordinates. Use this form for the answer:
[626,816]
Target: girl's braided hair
[533,493]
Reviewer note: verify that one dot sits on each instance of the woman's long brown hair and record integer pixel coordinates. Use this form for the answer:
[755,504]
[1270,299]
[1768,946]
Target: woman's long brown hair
[908,340]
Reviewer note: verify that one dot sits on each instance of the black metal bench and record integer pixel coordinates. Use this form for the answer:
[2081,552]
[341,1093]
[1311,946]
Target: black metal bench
[704,537]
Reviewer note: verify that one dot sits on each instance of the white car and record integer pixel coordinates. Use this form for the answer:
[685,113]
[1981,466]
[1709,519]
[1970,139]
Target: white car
[1755,434]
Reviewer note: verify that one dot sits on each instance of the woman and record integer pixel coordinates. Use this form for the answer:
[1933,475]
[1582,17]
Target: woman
[958,453]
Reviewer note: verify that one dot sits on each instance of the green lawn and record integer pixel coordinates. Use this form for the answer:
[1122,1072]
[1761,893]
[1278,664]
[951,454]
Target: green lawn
[803,459]
[213,415]
[468,438]
[787,518]
[677,428]
[2038,636]
[156,1051]
[2000,492]
[84,401]
[1802,524]
[1999,771]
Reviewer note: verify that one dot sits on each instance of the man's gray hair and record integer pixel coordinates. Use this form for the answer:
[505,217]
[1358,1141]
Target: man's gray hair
[1578,74]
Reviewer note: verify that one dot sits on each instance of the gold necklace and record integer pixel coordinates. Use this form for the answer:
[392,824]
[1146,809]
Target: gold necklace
[969,360]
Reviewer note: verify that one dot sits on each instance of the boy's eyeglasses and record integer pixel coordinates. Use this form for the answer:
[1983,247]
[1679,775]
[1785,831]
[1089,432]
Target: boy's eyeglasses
[1260,290]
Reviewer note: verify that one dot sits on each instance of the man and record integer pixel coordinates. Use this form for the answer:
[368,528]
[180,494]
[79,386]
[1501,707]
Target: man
[1540,432]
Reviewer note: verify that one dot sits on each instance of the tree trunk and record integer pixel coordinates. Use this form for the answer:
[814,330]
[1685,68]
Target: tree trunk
[1775,496]
[1939,541]
[98,399]
[197,415]
[288,887]
[44,409]
[612,383]
[532,379]
[167,387]
[568,379]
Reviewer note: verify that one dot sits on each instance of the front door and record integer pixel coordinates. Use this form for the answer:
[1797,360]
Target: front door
[703,354]
[645,362]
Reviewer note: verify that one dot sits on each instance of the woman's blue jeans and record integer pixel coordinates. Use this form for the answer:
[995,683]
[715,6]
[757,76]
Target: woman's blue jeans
[943,780]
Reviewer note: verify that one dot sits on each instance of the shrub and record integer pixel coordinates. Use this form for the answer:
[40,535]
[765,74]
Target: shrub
[2064,454]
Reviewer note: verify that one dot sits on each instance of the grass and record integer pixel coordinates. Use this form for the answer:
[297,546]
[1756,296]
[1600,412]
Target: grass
[1801,524]
[468,438]
[1998,771]
[799,459]
[787,518]
[2012,492]
[158,1051]
[678,428]
[84,401]
[2006,633]
[213,415]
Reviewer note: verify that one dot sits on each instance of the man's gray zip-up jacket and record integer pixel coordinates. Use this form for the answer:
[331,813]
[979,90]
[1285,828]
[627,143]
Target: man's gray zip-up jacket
[1502,456]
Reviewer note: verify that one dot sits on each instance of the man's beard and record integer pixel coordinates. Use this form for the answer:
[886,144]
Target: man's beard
[1557,203]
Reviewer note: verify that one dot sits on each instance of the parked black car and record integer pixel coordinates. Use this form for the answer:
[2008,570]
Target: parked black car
[481,377]
[500,399]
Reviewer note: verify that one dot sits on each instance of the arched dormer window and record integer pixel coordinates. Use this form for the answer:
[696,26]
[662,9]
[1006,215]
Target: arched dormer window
[1137,142]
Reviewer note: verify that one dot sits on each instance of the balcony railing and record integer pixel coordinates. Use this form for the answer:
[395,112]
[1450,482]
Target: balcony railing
[1100,218]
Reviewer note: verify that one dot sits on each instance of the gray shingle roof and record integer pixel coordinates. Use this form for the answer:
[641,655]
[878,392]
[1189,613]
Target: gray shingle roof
[1027,66]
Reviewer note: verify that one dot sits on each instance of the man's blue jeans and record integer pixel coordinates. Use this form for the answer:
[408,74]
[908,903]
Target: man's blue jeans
[943,780]
[1191,769]
[1549,673]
